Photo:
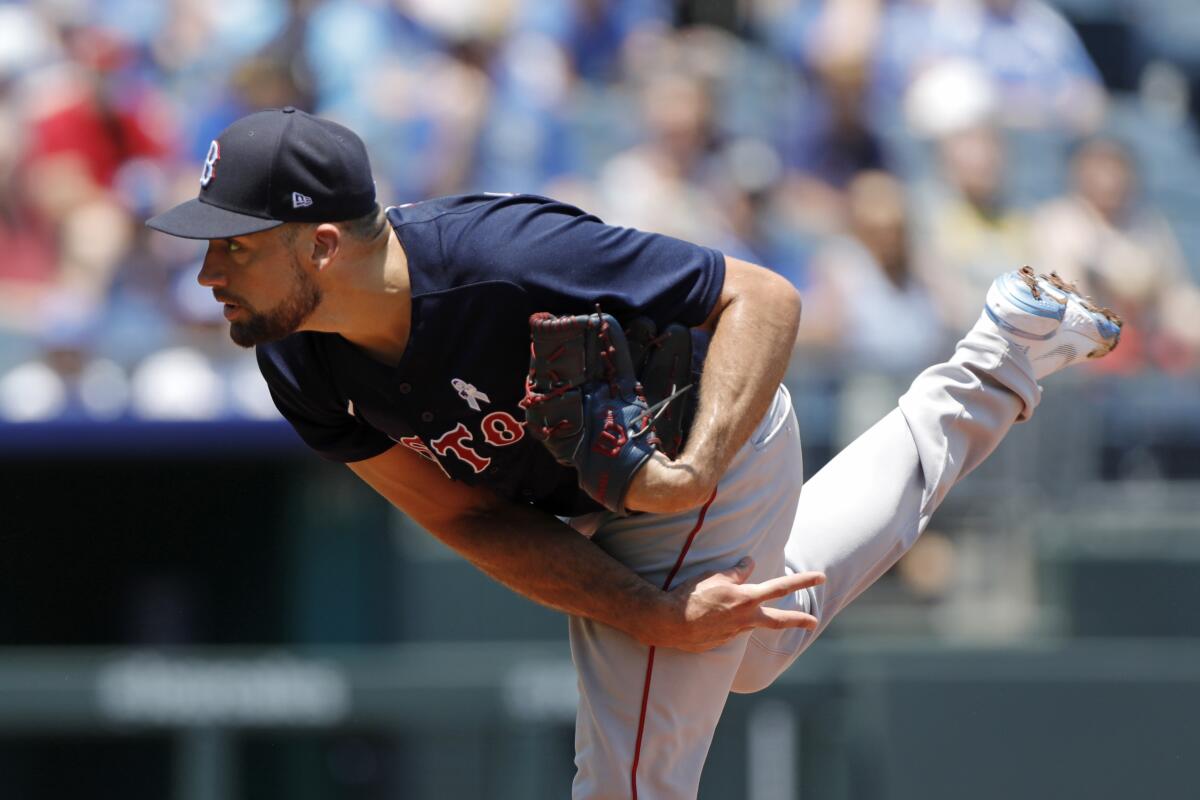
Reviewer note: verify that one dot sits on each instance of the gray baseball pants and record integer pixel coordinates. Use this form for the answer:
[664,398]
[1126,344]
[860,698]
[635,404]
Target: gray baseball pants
[647,715]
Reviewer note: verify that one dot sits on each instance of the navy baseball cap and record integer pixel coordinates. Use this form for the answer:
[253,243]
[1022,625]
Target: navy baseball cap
[271,167]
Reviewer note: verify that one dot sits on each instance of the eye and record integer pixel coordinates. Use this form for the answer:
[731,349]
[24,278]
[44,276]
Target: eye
[233,246]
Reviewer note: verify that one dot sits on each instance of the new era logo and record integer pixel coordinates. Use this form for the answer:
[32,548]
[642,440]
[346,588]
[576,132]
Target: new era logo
[301,200]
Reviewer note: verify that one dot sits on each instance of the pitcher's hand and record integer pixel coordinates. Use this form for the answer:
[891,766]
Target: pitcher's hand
[710,609]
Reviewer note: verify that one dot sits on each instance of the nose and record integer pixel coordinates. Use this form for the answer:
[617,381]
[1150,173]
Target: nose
[211,275]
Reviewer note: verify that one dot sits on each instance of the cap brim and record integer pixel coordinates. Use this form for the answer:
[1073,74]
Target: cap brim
[198,220]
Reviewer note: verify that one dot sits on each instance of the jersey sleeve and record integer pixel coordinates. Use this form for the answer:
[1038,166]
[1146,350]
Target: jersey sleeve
[308,401]
[568,261]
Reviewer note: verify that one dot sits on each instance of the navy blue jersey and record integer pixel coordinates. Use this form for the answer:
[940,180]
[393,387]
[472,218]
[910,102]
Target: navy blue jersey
[479,266]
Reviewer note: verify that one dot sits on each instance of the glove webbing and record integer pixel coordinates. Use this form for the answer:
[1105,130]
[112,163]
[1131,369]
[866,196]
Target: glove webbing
[609,442]
[560,387]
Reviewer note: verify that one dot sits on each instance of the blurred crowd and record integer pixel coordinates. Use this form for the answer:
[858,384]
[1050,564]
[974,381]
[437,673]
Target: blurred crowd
[890,157]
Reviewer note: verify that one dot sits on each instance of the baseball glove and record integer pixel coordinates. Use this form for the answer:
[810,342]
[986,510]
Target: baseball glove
[584,400]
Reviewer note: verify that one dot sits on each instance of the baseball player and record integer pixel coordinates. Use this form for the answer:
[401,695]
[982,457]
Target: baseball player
[399,342]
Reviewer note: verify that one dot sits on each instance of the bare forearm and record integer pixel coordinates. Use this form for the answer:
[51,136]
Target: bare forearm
[526,549]
[746,360]
[754,328]
[542,559]
[537,556]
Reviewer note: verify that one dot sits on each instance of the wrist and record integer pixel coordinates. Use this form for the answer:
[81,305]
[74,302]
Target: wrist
[657,619]
[663,486]
[700,472]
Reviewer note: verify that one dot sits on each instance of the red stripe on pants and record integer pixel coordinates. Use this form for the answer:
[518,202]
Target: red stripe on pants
[637,747]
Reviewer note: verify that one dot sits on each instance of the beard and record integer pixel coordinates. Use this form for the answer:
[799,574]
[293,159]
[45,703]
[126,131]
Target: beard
[283,320]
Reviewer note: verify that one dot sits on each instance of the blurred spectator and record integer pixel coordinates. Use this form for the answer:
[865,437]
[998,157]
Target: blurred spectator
[949,97]
[593,32]
[836,140]
[93,113]
[835,137]
[972,232]
[28,267]
[867,307]
[418,101]
[67,379]
[1042,73]
[85,121]
[665,183]
[526,132]
[867,299]
[695,173]
[27,241]
[1122,252]
[559,98]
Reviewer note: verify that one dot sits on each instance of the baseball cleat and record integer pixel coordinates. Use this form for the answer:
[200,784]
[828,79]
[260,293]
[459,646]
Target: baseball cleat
[1047,318]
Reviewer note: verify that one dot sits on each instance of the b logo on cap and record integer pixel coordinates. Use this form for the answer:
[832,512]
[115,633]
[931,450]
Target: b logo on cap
[210,164]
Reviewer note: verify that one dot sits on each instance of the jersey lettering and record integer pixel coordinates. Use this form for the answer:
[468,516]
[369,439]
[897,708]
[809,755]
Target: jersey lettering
[501,429]
[456,441]
[415,444]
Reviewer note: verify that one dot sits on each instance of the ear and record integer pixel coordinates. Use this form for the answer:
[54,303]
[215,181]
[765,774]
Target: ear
[326,243]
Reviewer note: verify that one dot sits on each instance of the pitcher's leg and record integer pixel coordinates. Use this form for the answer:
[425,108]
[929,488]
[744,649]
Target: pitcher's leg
[864,509]
[648,715]
[860,513]
[856,517]
[958,412]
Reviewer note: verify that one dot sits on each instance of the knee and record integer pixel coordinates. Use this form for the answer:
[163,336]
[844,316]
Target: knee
[770,652]
[767,659]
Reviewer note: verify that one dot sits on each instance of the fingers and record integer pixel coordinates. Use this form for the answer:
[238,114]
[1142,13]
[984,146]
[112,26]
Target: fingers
[719,605]
[769,618]
[777,619]
[783,586]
